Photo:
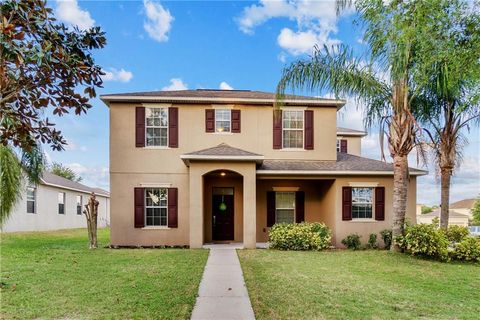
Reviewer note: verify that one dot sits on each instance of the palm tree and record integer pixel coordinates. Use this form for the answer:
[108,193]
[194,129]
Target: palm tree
[454,95]
[14,168]
[450,102]
[385,84]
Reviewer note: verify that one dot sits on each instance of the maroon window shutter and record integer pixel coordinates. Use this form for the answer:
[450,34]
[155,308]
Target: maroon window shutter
[346,203]
[139,199]
[343,146]
[140,127]
[173,127]
[172,207]
[209,120]
[277,129]
[380,203]
[236,121]
[270,208]
[299,206]
[309,129]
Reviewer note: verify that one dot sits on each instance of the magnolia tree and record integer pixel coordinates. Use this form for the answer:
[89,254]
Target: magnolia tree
[91,213]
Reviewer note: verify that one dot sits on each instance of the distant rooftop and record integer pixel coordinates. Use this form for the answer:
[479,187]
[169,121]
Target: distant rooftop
[51,179]
[463,204]
[219,96]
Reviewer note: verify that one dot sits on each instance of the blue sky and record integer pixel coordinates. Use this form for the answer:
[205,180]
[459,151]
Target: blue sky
[228,44]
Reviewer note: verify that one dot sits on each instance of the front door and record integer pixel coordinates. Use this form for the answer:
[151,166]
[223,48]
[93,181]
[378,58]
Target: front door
[222,214]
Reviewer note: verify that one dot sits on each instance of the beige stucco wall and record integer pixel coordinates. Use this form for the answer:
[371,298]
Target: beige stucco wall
[46,208]
[122,210]
[196,200]
[364,229]
[231,180]
[256,136]
[317,197]
[323,203]
[131,167]
[354,144]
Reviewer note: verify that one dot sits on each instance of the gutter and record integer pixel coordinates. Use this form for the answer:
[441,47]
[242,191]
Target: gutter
[333,173]
[132,98]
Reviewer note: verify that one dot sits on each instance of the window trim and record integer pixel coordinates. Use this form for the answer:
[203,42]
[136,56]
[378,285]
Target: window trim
[34,200]
[81,204]
[229,111]
[146,226]
[64,199]
[366,186]
[294,205]
[284,111]
[160,127]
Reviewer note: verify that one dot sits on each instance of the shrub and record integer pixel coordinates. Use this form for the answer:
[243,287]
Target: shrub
[425,240]
[467,250]
[387,238]
[372,241]
[352,241]
[300,236]
[456,233]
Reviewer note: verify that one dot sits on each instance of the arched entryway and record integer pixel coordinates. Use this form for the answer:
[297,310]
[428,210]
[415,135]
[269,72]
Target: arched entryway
[223,206]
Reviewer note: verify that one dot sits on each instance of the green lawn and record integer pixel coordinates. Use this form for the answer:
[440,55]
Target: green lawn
[358,285]
[53,275]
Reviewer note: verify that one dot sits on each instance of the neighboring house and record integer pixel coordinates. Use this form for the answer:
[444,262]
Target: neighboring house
[195,166]
[464,206]
[454,217]
[56,203]
[460,213]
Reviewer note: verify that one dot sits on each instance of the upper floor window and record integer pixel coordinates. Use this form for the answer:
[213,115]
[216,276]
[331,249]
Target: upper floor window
[61,202]
[79,204]
[292,129]
[223,120]
[156,126]
[284,207]
[362,203]
[31,193]
[156,207]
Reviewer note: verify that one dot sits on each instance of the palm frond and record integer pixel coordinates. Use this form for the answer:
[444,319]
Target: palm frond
[339,71]
[10,181]
[33,164]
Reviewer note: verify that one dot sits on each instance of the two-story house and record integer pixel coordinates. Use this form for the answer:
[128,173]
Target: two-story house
[199,166]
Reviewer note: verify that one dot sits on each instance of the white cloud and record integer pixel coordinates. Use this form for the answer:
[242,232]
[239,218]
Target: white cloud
[69,12]
[225,86]
[301,42]
[95,176]
[159,21]
[175,84]
[117,75]
[316,21]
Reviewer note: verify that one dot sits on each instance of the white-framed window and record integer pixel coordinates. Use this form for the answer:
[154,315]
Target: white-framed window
[362,203]
[292,129]
[156,127]
[156,201]
[79,204]
[61,203]
[284,207]
[223,120]
[31,198]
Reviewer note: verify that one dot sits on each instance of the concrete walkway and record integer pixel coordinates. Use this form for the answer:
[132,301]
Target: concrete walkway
[222,293]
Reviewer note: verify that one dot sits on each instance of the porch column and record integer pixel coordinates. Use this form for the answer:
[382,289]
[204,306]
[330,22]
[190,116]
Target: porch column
[196,208]
[249,210]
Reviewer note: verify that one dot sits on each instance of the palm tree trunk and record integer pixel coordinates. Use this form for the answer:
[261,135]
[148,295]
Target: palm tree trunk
[400,188]
[444,197]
